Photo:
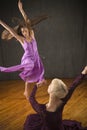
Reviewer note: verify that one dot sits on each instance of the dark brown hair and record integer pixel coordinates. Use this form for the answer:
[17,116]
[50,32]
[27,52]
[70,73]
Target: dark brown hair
[19,24]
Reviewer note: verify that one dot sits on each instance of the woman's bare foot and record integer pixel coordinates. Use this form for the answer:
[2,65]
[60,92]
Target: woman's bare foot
[26,95]
[85,70]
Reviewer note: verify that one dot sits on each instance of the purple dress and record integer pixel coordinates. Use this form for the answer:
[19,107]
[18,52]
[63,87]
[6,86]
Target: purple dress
[45,120]
[31,66]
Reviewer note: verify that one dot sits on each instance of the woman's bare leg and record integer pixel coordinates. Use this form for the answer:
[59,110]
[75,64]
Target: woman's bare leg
[26,94]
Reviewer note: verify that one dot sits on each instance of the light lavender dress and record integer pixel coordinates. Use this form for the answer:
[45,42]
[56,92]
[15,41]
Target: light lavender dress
[31,66]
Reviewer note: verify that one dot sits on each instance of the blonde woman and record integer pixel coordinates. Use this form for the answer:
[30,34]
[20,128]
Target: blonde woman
[49,116]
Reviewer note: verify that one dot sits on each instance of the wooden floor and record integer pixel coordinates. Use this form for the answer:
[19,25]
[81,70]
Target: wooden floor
[14,107]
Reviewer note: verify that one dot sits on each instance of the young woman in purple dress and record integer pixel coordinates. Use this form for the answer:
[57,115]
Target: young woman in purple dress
[31,66]
[49,116]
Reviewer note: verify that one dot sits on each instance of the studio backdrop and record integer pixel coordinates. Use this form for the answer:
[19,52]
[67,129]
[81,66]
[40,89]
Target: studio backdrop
[61,39]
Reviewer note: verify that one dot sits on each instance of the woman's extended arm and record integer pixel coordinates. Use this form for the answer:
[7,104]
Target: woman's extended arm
[20,6]
[6,35]
[75,83]
[11,31]
[36,106]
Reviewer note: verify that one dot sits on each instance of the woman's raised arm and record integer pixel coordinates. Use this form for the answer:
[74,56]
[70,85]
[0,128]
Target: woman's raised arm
[20,6]
[11,31]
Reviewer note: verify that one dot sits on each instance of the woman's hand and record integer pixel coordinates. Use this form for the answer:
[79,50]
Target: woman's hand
[85,70]
[20,4]
[41,83]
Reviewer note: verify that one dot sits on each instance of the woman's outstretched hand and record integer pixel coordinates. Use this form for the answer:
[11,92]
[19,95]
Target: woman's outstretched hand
[20,4]
[85,70]
[42,83]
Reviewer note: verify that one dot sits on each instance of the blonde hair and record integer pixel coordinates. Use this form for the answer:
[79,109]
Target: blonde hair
[58,88]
